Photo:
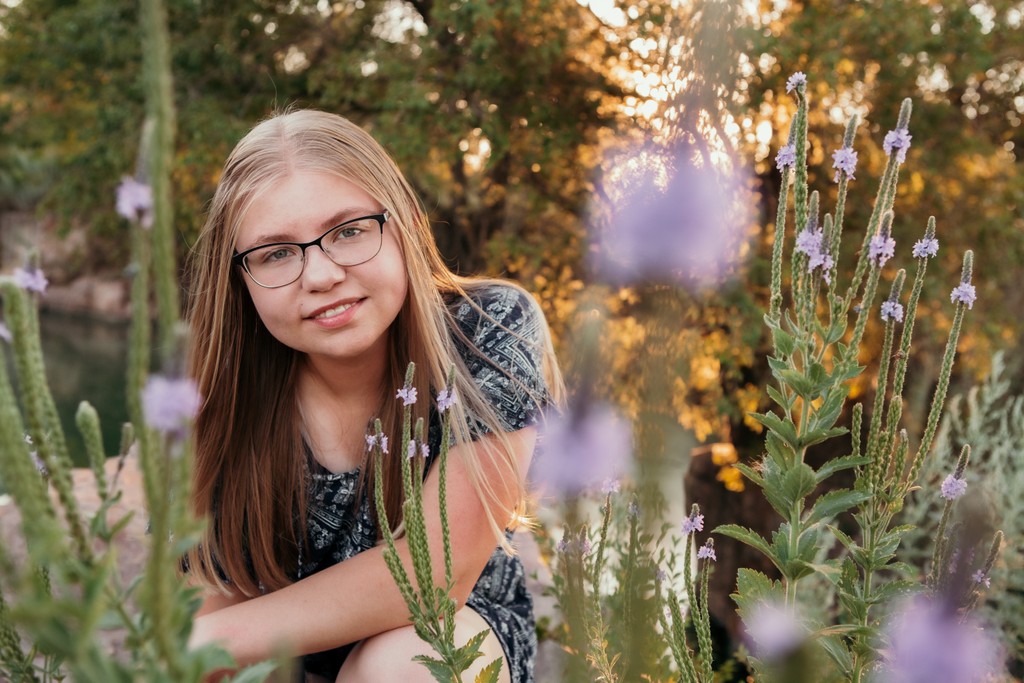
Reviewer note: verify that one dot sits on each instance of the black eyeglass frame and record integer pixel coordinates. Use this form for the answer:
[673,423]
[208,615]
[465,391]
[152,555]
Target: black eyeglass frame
[381,218]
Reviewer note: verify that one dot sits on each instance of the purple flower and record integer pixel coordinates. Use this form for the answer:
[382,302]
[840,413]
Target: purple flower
[39,464]
[795,81]
[673,220]
[926,247]
[445,399]
[169,405]
[823,260]
[5,333]
[633,510]
[373,440]
[774,630]
[694,522]
[963,293]
[881,249]
[892,310]
[953,487]
[706,552]
[928,642]
[407,394]
[981,578]
[31,279]
[411,450]
[135,201]
[660,575]
[424,451]
[580,450]
[584,546]
[809,241]
[898,140]
[786,158]
[844,160]
[610,486]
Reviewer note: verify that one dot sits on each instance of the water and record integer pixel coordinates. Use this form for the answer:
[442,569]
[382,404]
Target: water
[86,360]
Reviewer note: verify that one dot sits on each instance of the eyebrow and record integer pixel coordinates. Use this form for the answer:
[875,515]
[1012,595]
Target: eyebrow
[335,219]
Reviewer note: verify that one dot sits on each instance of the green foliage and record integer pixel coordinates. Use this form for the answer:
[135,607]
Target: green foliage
[813,362]
[990,417]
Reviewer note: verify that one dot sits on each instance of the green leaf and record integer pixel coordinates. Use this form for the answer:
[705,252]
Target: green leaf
[753,587]
[817,436]
[777,396]
[827,414]
[785,343]
[783,427]
[490,673]
[781,451]
[798,482]
[800,383]
[751,538]
[441,672]
[836,464]
[834,502]
[257,673]
[836,649]
[750,473]
[893,589]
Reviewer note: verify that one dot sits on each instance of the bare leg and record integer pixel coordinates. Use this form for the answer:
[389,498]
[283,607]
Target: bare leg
[388,656]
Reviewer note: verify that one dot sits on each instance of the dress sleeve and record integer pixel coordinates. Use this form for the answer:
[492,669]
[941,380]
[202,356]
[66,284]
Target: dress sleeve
[506,358]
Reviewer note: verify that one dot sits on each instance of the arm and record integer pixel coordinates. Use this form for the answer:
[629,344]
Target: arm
[358,598]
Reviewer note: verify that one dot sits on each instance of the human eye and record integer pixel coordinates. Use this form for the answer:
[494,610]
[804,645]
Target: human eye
[276,254]
[350,232]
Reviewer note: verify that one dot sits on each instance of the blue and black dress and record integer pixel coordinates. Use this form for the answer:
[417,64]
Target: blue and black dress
[508,369]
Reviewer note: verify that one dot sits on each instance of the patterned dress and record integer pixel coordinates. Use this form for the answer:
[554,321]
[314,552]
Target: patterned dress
[339,520]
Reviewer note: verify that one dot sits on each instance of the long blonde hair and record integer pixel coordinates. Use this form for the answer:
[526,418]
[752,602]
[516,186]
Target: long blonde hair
[249,475]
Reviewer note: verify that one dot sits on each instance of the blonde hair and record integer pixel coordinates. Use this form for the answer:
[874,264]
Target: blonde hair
[249,477]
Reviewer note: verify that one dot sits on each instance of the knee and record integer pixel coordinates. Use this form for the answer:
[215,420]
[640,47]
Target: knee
[387,657]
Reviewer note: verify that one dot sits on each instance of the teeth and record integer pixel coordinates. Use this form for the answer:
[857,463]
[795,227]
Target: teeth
[335,311]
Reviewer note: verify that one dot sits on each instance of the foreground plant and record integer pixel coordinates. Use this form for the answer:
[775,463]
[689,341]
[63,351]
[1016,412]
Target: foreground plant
[431,607]
[815,355]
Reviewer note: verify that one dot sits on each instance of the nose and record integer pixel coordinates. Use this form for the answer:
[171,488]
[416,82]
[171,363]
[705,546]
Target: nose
[319,272]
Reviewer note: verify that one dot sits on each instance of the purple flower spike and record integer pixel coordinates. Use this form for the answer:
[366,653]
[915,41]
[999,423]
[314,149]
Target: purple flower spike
[892,310]
[899,141]
[786,158]
[953,487]
[445,400]
[926,247]
[795,81]
[31,280]
[963,293]
[693,523]
[135,201]
[928,642]
[844,161]
[809,241]
[979,577]
[610,486]
[407,394]
[774,631]
[169,405]
[411,450]
[706,552]
[881,249]
[5,333]
[580,450]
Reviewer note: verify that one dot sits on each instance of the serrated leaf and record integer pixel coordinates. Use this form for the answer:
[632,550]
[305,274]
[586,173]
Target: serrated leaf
[783,342]
[749,537]
[799,382]
[827,414]
[490,673]
[257,673]
[784,427]
[834,502]
[753,587]
[798,482]
[836,649]
[438,669]
[776,395]
[892,589]
[750,473]
[836,464]
[819,435]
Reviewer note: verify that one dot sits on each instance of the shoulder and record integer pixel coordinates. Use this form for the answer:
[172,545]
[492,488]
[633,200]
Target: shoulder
[494,309]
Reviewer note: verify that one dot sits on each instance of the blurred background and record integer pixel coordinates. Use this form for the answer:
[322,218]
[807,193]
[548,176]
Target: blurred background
[512,120]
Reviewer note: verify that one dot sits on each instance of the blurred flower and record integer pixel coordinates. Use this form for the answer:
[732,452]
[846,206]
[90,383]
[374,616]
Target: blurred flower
[774,631]
[445,399]
[660,575]
[899,141]
[674,217]
[411,450]
[844,160]
[39,464]
[795,81]
[373,440]
[953,487]
[963,293]
[707,551]
[633,510]
[786,158]
[929,643]
[980,577]
[695,522]
[5,333]
[610,486]
[580,450]
[31,279]
[135,201]
[169,405]
[882,248]
[892,310]
[926,247]
[809,241]
[407,394]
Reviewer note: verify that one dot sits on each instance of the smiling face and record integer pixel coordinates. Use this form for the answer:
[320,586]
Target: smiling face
[331,313]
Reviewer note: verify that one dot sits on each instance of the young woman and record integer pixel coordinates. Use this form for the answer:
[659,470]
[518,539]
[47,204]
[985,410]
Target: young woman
[316,281]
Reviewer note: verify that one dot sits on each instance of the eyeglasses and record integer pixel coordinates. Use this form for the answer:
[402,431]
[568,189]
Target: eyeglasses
[281,263]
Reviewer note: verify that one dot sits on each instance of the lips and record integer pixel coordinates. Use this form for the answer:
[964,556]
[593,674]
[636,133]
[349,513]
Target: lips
[333,310]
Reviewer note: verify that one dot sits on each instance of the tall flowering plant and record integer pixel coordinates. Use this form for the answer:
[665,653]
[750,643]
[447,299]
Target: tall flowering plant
[817,333]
